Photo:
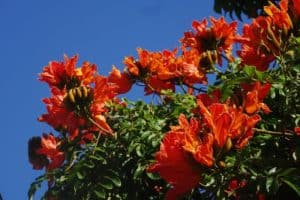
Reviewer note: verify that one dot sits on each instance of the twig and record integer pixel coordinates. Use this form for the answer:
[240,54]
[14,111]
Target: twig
[197,89]
[284,133]
[96,143]
[98,126]
[99,133]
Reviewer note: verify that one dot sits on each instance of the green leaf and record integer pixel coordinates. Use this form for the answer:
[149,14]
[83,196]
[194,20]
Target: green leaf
[153,176]
[260,75]
[293,183]
[100,193]
[98,158]
[115,180]
[139,151]
[139,170]
[249,70]
[105,183]
[90,165]
[79,175]
[35,185]
[288,171]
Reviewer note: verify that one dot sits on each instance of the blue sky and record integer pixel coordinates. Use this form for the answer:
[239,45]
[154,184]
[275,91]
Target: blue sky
[34,32]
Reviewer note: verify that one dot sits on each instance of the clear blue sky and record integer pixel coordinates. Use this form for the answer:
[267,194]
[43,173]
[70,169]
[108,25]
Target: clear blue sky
[33,32]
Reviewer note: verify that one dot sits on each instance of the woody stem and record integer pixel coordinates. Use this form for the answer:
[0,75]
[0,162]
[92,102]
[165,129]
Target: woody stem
[283,133]
[197,89]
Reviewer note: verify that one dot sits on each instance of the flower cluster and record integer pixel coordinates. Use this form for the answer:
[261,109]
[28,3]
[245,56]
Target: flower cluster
[211,42]
[217,127]
[76,107]
[201,50]
[265,38]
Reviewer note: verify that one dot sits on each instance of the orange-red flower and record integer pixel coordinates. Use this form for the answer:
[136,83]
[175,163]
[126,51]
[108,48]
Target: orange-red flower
[122,80]
[102,93]
[38,161]
[176,166]
[59,116]
[248,132]
[219,38]
[131,66]
[163,70]
[218,119]
[167,65]
[239,120]
[66,75]
[254,95]
[226,121]
[199,145]
[45,152]
[262,40]
[296,6]
[154,84]
[75,115]
[280,15]
[208,99]
[50,148]
[189,68]
[256,49]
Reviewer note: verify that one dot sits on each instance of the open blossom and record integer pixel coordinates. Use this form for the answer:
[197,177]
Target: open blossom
[262,40]
[247,134]
[78,97]
[65,74]
[45,152]
[189,145]
[59,116]
[163,70]
[280,15]
[70,111]
[176,166]
[154,84]
[212,41]
[256,49]
[254,95]
[121,80]
[226,122]
[103,92]
[200,146]
[183,151]
[218,119]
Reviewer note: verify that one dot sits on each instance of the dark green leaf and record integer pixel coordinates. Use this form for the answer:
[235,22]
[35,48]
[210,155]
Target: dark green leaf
[293,182]
[139,170]
[115,180]
[100,193]
[98,158]
[79,175]
[105,183]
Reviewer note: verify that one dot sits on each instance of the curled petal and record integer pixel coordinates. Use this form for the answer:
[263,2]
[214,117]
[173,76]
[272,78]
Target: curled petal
[176,166]
[121,80]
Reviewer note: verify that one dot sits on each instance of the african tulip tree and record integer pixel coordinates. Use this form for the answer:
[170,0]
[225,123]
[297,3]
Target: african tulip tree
[236,138]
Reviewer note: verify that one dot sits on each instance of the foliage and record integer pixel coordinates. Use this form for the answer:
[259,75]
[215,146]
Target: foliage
[249,8]
[237,138]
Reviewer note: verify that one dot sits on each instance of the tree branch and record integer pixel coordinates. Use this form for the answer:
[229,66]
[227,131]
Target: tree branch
[284,133]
